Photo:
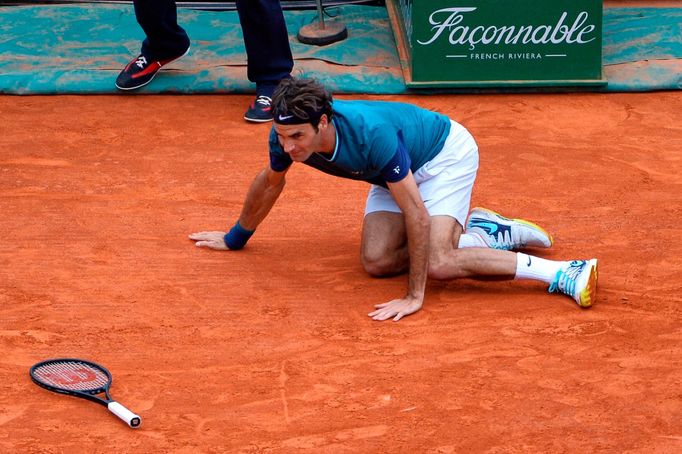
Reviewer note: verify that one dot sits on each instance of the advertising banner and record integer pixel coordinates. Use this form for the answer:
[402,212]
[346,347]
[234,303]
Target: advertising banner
[499,42]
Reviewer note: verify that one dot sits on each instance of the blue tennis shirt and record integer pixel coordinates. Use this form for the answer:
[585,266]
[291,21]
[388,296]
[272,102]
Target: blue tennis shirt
[371,135]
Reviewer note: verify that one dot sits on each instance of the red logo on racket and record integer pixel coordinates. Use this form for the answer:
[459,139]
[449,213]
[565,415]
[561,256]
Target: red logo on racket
[72,377]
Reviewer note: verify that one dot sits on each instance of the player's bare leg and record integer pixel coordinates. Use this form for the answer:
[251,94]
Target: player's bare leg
[384,244]
[384,252]
[447,261]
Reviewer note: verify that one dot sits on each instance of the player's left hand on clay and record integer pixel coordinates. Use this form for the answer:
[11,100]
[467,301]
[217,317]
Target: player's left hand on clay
[213,240]
[396,309]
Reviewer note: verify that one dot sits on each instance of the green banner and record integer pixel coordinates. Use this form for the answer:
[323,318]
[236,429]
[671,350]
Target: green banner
[481,42]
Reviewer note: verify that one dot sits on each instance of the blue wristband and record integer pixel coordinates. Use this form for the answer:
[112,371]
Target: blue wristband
[237,237]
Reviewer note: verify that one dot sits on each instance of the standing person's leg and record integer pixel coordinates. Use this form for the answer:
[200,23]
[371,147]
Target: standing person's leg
[268,52]
[164,37]
[165,41]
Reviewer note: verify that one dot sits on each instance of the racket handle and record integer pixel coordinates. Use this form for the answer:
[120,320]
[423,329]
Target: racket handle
[126,415]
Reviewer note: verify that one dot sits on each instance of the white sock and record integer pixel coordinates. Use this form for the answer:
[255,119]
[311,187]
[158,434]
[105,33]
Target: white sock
[531,267]
[471,240]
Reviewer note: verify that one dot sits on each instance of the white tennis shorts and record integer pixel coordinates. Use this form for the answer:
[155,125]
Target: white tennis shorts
[445,182]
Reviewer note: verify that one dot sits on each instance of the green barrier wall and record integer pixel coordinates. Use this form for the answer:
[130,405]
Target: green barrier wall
[499,42]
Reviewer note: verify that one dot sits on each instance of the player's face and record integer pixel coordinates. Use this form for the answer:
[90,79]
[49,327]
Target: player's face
[299,141]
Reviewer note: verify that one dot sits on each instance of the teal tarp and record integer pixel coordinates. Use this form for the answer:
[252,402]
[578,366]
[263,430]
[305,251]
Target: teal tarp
[637,34]
[81,49]
[643,48]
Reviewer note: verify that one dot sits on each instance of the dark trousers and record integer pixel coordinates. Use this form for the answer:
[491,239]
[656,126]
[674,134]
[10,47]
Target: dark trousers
[265,36]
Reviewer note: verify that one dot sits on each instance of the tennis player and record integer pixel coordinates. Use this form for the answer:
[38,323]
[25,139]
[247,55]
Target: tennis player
[421,166]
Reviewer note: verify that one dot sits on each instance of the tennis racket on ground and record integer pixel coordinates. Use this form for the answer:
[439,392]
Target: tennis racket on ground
[80,378]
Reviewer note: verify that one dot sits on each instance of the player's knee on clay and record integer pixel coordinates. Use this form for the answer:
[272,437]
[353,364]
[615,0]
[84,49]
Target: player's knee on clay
[376,264]
[379,258]
[380,261]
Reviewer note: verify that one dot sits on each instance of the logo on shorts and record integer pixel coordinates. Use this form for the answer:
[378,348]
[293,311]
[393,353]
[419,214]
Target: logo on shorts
[396,170]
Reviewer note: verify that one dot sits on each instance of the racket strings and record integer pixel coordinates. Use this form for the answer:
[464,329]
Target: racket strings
[72,376]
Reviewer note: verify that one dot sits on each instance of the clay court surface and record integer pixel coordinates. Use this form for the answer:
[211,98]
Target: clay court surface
[270,349]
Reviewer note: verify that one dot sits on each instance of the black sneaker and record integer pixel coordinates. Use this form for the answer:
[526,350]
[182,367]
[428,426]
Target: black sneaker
[140,71]
[260,110]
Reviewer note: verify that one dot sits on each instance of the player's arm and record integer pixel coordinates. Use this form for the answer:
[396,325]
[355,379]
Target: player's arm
[405,192]
[418,225]
[261,197]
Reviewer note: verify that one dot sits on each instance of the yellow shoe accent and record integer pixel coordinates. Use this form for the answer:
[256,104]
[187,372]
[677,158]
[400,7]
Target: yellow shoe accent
[589,294]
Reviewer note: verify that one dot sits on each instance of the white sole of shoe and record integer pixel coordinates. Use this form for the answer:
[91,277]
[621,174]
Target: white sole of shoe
[142,85]
[254,120]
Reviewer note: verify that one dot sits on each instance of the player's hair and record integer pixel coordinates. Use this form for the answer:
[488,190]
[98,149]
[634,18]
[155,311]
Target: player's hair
[306,99]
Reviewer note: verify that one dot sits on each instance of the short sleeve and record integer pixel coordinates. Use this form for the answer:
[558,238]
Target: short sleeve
[279,160]
[398,166]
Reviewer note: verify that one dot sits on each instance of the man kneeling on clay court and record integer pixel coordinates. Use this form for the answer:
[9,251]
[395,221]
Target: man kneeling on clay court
[421,166]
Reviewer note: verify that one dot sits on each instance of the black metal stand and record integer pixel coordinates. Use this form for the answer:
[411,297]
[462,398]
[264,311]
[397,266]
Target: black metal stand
[322,33]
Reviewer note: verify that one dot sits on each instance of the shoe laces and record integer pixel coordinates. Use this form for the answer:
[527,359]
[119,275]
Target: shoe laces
[263,101]
[141,61]
[565,279]
[503,240]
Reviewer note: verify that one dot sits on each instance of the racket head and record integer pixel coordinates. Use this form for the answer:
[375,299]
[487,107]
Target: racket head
[71,376]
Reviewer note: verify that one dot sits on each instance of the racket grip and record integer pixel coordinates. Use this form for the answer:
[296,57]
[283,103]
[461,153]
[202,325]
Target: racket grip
[126,415]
